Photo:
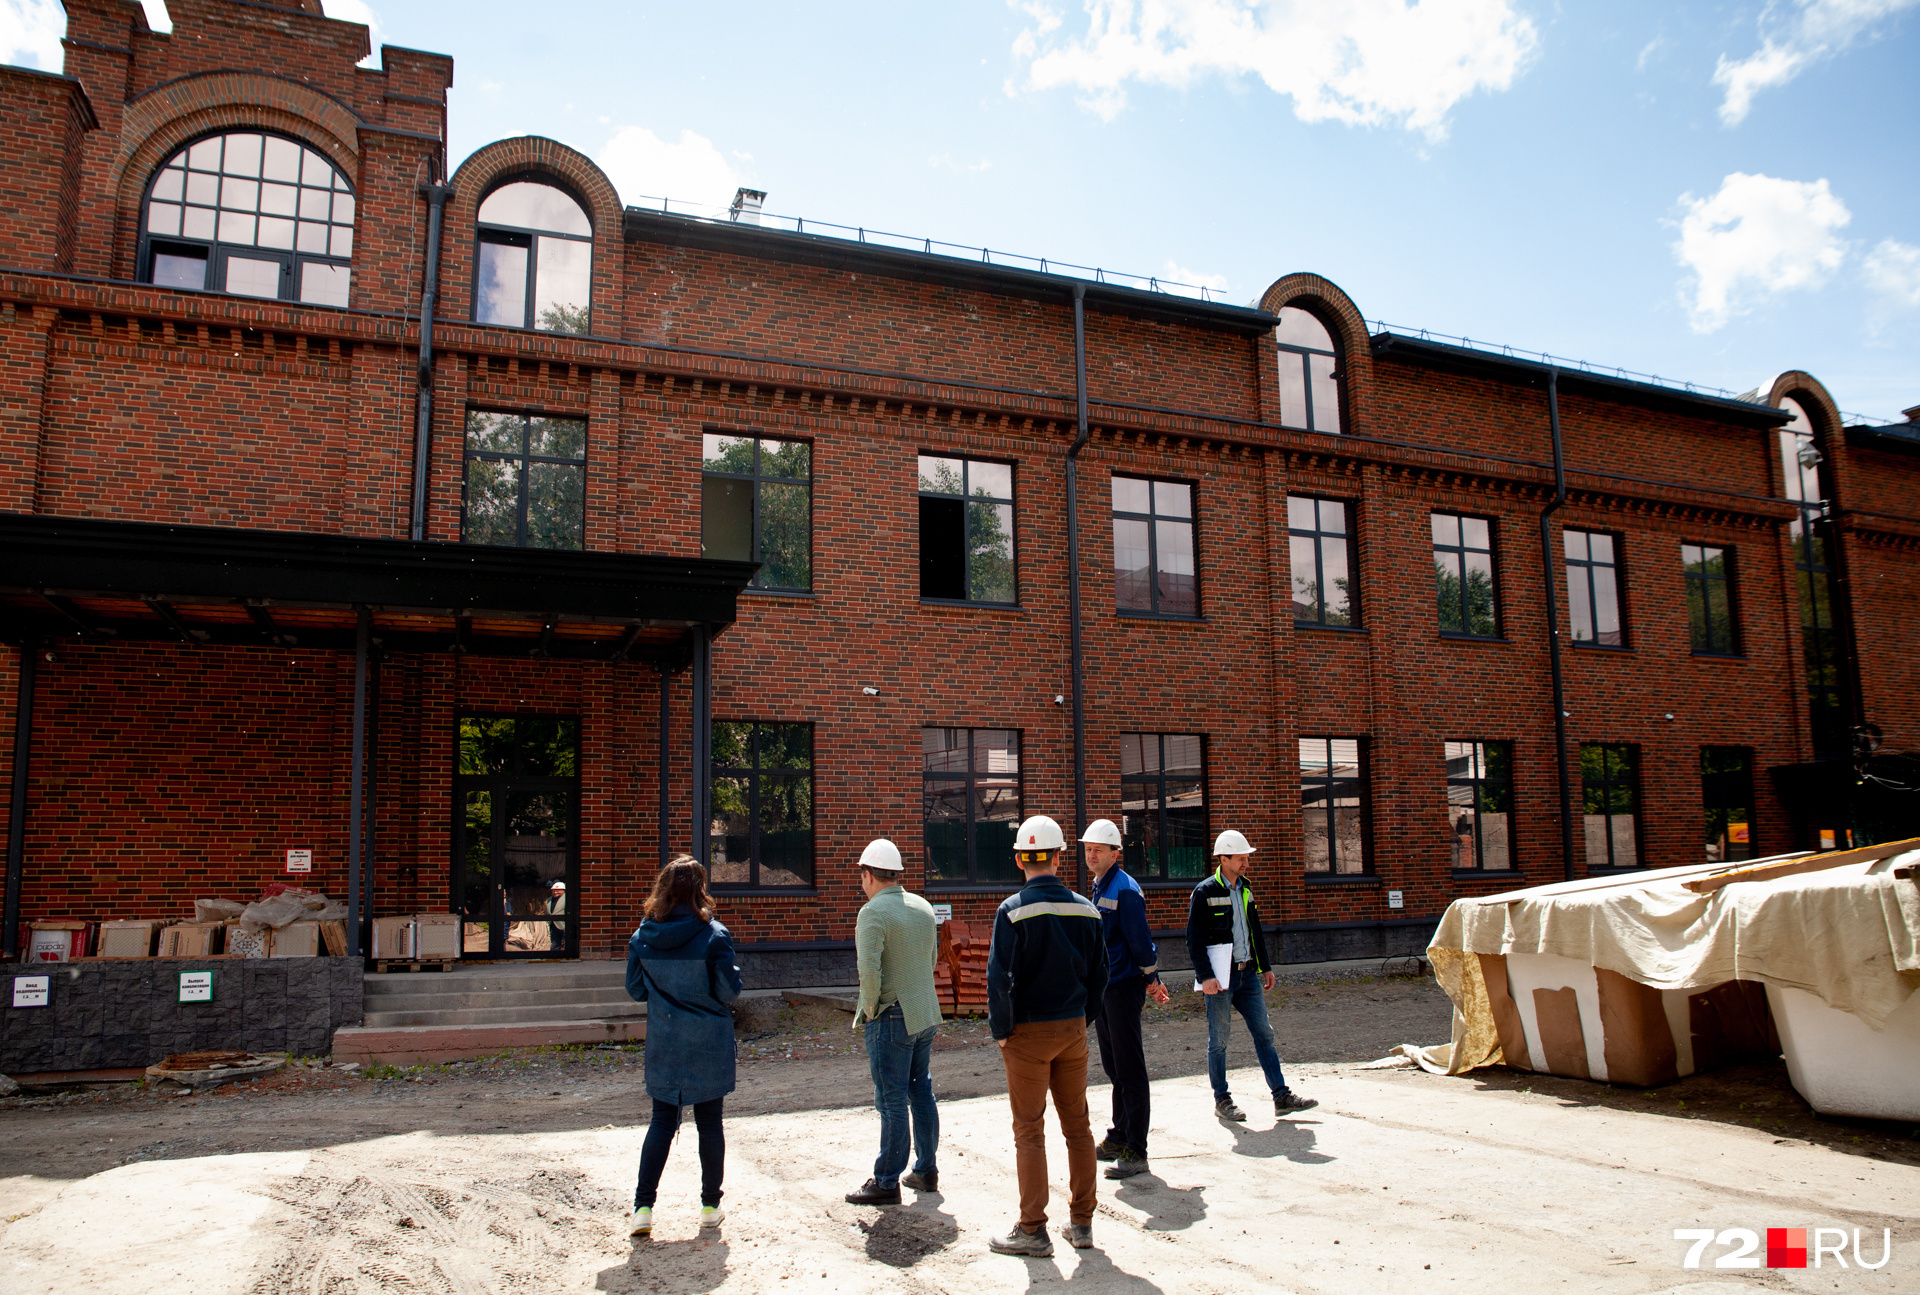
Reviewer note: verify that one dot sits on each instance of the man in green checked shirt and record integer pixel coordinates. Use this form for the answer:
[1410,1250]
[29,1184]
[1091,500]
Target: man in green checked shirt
[896,940]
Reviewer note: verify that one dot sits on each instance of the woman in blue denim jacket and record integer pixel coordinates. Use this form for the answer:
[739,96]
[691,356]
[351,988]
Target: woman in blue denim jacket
[680,964]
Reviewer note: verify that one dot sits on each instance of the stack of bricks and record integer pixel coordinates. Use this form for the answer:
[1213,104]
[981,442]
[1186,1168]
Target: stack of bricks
[963,949]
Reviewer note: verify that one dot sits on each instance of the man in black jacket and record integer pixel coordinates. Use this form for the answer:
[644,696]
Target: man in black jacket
[1046,971]
[1230,961]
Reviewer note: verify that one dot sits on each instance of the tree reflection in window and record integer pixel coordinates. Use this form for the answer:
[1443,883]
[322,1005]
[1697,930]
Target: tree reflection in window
[966,530]
[762,830]
[1463,575]
[756,505]
[525,481]
[1163,805]
[535,264]
[972,804]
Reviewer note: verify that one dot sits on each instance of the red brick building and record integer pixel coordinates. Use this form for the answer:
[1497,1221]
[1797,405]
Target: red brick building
[468,609]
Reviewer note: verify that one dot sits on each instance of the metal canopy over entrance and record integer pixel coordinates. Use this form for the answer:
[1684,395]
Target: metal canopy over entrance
[107,582]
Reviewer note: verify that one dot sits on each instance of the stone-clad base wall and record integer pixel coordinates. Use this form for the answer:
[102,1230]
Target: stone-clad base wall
[117,1015]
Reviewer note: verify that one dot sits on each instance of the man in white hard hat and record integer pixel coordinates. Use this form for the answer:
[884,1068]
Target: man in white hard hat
[1230,961]
[556,912]
[1046,970]
[1133,972]
[897,940]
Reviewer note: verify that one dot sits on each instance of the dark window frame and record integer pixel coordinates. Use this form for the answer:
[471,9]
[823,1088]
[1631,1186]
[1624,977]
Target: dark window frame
[1293,352]
[1153,519]
[1477,783]
[216,253]
[1459,553]
[1618,566]
[526,460]
[1631,783]
[756,775]
[756,476]
[1157,781]
[1327,783]
[512,779]
[970,783]
[1317,537]
[1700,627]
[1816,575]
[1729,789]
[519,236]
[1011,501]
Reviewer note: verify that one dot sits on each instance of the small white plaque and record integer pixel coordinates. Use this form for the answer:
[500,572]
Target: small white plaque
[299,860]
[1393,899]
[31,991]
[942,914]
[196,986]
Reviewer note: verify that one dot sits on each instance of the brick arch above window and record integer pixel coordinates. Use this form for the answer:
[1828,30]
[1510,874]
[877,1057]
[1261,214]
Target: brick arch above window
[159,122]
[535,158]
[1332,307]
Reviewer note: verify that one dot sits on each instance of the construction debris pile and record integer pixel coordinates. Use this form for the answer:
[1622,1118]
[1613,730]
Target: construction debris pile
[285,922]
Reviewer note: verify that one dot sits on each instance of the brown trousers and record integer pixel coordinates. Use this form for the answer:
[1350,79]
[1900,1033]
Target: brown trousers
[1043,1057]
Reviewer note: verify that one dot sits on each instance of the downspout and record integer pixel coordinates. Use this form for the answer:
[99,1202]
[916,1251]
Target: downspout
[1073,575]
[1553,623]
[436,196]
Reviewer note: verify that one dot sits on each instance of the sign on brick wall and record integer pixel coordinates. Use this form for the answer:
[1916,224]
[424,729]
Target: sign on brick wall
[299,860]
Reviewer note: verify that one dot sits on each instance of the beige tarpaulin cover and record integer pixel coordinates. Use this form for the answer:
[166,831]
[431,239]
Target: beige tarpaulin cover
[1850,935]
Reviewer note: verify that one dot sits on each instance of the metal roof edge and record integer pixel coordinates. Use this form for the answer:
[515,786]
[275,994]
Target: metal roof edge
[933,267]
[1892,436]
[1533,373]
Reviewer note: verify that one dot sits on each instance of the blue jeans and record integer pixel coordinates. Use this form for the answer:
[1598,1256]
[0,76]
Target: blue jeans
[901,1081]
[1243,996]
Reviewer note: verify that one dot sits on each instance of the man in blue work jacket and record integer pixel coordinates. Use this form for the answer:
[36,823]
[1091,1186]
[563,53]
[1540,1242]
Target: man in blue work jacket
[1133,972]
[1230,961]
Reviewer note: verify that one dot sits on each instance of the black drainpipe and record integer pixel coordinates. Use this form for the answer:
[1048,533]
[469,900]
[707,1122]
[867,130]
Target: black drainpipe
[1073,575]
[436,196]
[17,806]
[1553,622]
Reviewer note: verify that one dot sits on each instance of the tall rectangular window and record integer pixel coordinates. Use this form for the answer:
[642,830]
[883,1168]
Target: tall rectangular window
[762,805]
[526,481]
[1163,805]
[1726,789]
[1709,576]
[1480,805]
[1333,803]
[966,530]
[1610,796]
[1593,588]
[1153,551]
[971,785]
[1320,540]
[756,505]
[1463,575]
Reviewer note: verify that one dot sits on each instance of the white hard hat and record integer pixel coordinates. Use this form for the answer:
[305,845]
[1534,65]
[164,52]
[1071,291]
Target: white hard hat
[882,855]
[558,885]
[1039,833]
[1231,842]
[1102,832]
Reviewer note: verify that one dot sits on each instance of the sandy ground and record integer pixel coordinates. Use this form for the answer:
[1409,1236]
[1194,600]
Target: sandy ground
[515,1174]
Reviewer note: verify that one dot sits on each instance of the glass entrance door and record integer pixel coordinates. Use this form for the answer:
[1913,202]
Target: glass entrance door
[516,840]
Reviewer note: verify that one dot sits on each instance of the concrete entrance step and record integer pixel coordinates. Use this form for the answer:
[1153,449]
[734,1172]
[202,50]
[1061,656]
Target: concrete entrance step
[500,994]
[421,1045]
[516,1014]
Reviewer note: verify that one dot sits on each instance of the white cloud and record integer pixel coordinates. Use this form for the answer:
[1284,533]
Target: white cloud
[1756,238]
[1363,62]
[640,163]
[362,12]
[30,32]
[1179,279]
[1819,30]
[1892,270]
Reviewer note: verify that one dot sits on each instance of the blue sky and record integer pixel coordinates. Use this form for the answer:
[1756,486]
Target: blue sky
[1710,192]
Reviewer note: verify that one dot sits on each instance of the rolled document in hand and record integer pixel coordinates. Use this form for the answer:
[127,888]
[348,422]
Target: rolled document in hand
[1220,957]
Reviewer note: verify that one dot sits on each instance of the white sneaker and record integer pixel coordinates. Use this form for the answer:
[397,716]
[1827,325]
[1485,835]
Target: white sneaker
[642,1223]
[712,1216]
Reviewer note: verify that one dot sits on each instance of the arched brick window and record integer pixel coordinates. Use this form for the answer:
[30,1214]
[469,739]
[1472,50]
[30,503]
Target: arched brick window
[535,262]
[1309,372]
[251,213]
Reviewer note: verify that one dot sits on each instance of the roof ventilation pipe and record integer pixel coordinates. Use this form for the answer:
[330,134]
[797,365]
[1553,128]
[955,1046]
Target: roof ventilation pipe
[746,206]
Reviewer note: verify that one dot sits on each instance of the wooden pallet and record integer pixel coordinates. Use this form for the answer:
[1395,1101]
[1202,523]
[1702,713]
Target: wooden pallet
[383,965]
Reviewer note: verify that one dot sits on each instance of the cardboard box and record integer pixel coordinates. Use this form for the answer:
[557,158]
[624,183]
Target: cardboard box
[295,940]
[333,935]
[192,939]
[56,941]
[436,935]
[128,939]
[393,937]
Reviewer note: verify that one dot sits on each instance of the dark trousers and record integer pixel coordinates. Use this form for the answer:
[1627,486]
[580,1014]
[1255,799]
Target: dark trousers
[660,1133]
[1123,1056]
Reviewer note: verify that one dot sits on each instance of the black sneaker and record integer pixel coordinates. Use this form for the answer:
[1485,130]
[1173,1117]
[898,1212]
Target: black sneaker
[1131,1162]
[872,1193]
[1226,1110]
[1109,1149]
[927,1182]
[1288,1102]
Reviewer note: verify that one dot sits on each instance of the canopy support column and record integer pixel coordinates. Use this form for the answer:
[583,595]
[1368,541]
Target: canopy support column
[17,805]
[357,788]
[702,744]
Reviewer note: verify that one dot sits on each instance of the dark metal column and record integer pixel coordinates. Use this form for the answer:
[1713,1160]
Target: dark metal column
[702,743]
[436,196]
[372,783]
[1076,649]
[17,806]
[1547,568]
[357,789]
[666,767]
